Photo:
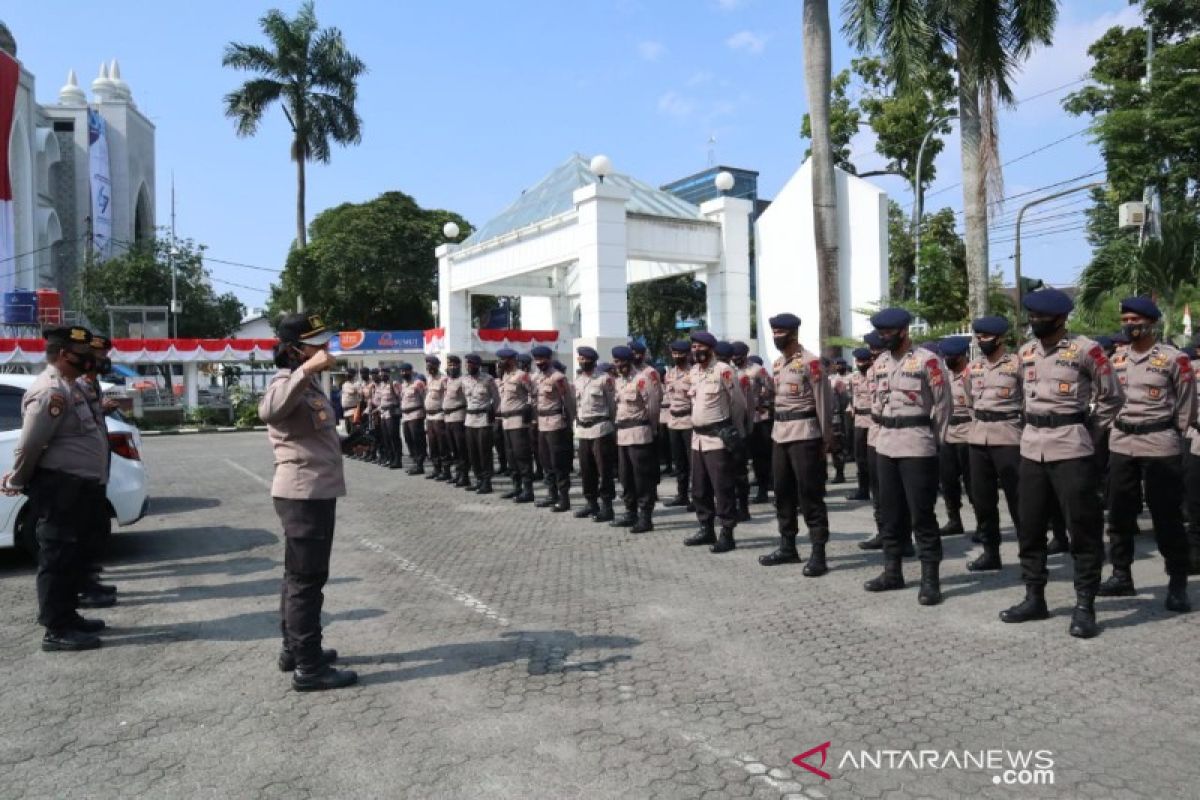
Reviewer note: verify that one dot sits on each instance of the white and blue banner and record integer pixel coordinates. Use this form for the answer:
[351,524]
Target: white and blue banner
[101,182]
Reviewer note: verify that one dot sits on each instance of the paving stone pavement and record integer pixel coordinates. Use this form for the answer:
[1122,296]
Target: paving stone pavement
[505,651]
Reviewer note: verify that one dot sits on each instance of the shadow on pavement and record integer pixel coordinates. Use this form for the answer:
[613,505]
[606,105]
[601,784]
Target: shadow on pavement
[181,544]
[224,591]
[248,627]
[178,505]
[545,651]
[230,566]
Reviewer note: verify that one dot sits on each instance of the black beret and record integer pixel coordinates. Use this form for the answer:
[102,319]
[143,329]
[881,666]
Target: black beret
[622,352]
[680,346]
[637,347]
[1142,306]
[524,358]
[68,335]
[991,326]
[723,349]
[403,365]
[872,339]
[861,353]
[588,353]
[840,361]
[741,349]
[891,318]
[304,328]
[603,366]
[541,351]
[1104,342]
[955,345]
[558,365]
[506,352]
[755,360]
[432,359]
[1051,302]
[473,358]
[705,338]
[785,320]
[453,360]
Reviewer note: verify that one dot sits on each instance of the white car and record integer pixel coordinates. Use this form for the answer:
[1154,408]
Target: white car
[128,497]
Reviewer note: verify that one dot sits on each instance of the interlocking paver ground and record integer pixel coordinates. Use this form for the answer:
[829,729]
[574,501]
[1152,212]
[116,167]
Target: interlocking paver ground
[509,652]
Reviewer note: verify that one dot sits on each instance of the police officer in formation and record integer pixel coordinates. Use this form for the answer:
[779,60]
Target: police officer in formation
[437,436]
[637,398]
[860,411]
[410,391]
[454,414]
[483,403]
[352,397]
[677,405]
[555,406]
[954,455]
[515,412]
[741,477]
[596,409]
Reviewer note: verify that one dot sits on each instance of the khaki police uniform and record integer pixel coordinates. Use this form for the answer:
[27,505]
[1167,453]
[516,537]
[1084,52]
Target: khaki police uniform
[677,407]
[860,409]
[436,434]
[763,394]
[596,406]
[554,401]
[637,397]
[994,439]
[454,413]
[388,402]
[411,394]
[954,457]
[483,399]
[516,413]
[802,433]
[718,404]
[352,397]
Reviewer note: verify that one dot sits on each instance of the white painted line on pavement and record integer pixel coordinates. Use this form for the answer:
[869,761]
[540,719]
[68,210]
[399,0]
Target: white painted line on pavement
[248,473]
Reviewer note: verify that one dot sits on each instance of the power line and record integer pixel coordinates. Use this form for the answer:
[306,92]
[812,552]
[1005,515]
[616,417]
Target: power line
[1021,157]
[239,285]
[1050,91]
[238,264]
[1040,234]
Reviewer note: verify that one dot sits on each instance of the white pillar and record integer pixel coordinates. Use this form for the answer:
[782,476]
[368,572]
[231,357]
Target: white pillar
[602,264]
[191,384]
[454,308]
[729,281]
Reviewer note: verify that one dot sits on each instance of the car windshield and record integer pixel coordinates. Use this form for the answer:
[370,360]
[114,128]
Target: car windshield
[10,407]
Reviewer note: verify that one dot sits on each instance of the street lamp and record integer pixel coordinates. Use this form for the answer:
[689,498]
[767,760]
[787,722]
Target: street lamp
[1017,246]
[600,166]
[723,181]
[450,230]
[172,254]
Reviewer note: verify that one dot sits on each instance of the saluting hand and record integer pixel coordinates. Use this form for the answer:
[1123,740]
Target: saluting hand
[320,362]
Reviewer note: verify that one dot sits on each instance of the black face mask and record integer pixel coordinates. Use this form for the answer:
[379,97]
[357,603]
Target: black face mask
[989,347]
[956,363]
[1045,328]
[702,356]
[453,372]
[863,368]
[781,342]
[104,366]
[890,340]
[680,360]
[587,366]
[1135,331]
[544,366]
[472,369]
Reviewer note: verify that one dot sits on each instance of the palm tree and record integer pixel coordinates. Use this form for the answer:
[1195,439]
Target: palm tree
[818,75]
[988,40]
[313,76]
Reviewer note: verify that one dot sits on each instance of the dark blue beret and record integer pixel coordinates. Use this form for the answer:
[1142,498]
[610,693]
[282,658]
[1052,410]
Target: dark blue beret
[841,361]
[991,326]
[705,338]
[1104,341]
[861,353]
[603,366]
[741,349]
[680,346]
[622,352]
[1142,306]
[723,349]
[955,345]
[891,318]
[785,320]
[523,358]
[637,347]
[506,352]
[453,360]
[588,353]
[1050,302]
[872,339]
[432,359]
[541,351]
[472,358]
[558,365]
[755,360]
[404,365]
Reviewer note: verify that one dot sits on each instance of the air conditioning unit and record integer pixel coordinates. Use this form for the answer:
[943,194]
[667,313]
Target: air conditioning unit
[1131,215]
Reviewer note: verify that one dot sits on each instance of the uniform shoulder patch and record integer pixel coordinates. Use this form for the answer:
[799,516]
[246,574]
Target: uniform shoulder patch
[745,381]
[654,376]
[1185,364]
[641,384]
[814,367]
[56,406]
[935,371]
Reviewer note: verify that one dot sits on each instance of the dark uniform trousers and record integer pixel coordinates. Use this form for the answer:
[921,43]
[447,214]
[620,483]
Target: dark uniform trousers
[479,451]
[1192,480]
[535,453]
[500,441]
[556,452]
[908,492]
[597,467]
[520,459]
[712,487]
[308,532]
[681,449]
[438,445]
[873,468]
[390,443]
[862,460]
[799,480]
[760,454]
[414,438]
[995,467]
[456,434]
[637,464]
[663,442]
[1071,484]
[64,516]
[954,463]
[1164,487]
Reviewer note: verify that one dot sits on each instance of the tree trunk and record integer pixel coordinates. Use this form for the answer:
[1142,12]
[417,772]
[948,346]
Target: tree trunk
[974,196]
[818,74]
[301,231]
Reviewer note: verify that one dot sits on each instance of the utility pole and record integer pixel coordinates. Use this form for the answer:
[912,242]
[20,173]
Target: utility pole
[171,261]
[919,192]
[1017,246]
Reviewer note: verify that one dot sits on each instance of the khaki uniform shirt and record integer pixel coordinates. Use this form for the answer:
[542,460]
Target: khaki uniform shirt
[1074,374]
[95,397]
[59,431]
[997,387]
[765,395]
[716,397]
[555,402]
[801,388]
[454,401]
[596,403]
[435,394]
[303,434]
[860,399]
[412,399]
[913,384]
[482,399]
[873,377]
[959,430]
[1159,386]
[637,408]
[351,397]
[516,391]
[677,398]
[386,399]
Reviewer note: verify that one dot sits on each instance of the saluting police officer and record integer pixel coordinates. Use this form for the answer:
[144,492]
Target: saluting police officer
[860,410]
[438,438]
[954,456]
[61,462]
[515,412]
[914,412]
[302,429]
[482,397]
[637,464]
[677,404]
[454,412]
[802,434]
[596,405]
[555,405]
[718,417]
[1062,374]
[1145,447]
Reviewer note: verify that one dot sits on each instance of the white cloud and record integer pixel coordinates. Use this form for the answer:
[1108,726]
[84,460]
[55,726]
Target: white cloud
[748,42]
[651,50]
[676,105]
[1067,58]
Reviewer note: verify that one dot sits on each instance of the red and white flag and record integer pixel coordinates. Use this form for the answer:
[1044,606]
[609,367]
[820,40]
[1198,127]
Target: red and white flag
[10,74]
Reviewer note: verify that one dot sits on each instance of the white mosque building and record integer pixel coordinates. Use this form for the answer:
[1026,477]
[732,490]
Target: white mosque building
[76,168]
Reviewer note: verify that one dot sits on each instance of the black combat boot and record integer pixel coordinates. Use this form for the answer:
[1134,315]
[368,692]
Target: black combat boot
[1058,544]
[816,566]
[953,526]
[1120,584]
[626,520]
[839,475]
[705,535]
[725,541]
[485,486]
[1033,607]
[589,510]
[69,639]
[990,560]
[890,579]
[930,593]
[1177,595]
[786,553]
[874,543]
[326,677]
[446,474]
[418,467]
[1083,618]
[461,479]
[743,505]
[1194,549]
[512,493]
[643,523]
[526,495]
[549,500]
[287,661]
[677,501]
[84,625]
[605,514]
[563,504]
[859,495]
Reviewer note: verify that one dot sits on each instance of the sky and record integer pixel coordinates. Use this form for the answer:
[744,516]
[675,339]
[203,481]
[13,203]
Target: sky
[466,105]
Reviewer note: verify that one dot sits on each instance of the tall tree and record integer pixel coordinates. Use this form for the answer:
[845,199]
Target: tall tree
[987,39]
[655,306]
[313,76]
[818,75]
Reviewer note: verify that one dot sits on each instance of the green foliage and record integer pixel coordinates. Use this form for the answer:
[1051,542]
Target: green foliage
[369,265]
[901,254]
[654,307]
[141,275]
[942,275]
[245,407]
[843,122]
[206,417]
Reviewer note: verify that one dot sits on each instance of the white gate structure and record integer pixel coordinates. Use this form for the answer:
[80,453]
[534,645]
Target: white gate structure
[570,246]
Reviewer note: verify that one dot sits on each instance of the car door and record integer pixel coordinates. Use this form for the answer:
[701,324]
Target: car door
[10,430]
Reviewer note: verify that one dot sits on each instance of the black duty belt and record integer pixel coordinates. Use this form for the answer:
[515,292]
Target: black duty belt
[792,416]
[997,416]
[862,411]
[451,409]
[478,410]
[590,421]
[918,421]
[558,412]
[631,423]
[674,413]
[1144,427]
[877,419]
[411,409]
[959,420]
[506,414]
[1056,420]
[710,430]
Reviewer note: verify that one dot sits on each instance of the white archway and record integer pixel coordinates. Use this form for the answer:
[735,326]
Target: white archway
[20,160]
[143,216]
[48,154]
[49,233]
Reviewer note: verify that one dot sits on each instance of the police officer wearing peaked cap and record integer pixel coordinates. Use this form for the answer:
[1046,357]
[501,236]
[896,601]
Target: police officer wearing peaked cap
[302,429]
